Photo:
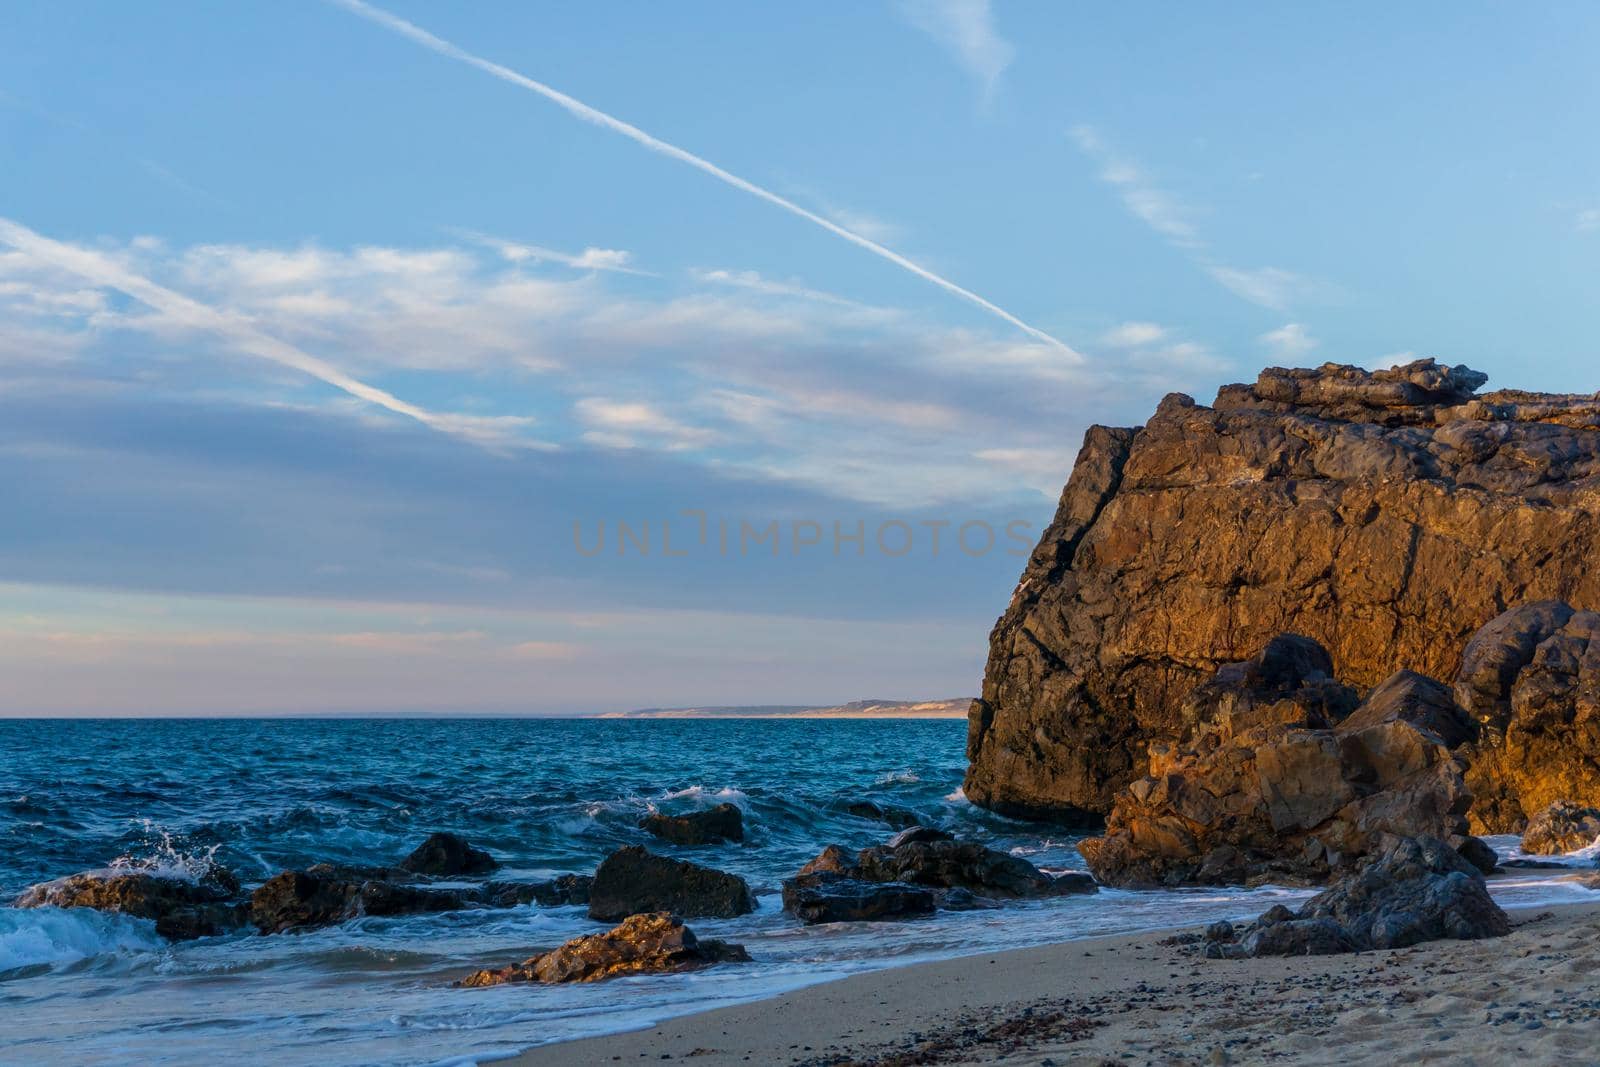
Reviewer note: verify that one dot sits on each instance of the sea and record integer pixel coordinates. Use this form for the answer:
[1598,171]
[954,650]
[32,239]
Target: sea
[545,797]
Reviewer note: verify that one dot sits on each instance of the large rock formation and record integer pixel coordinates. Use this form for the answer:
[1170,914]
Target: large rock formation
[181,908]
[632,881]
[1278,779]
[1386,515]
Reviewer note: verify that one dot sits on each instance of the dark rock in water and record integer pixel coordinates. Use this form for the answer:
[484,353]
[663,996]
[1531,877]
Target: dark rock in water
[1073,883]
[1533,865]
[1282,779]
[632,881]
[445,855]
[832,859]
[834,898]
[181,909]
[913,834]
[1413,890]
[1562,827]
[898,818]
[562,890]
[960,865]
[725,822]
[643,944]
[315,897]
[1387,515]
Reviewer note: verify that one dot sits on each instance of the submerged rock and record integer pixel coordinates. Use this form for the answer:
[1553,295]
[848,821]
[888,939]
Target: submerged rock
[898,818]
[445,855]
[1412,890]
[643,944]
[633,880]
[564,889]
[912,834]
[717,825]
[181,909]
[1387,515]
[1283,778]
[1562,827]
[825,897]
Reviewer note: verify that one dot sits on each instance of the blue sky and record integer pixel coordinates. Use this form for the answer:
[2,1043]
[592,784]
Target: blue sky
[317,338]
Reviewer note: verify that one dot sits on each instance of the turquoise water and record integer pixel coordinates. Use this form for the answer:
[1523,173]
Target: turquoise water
[545,797]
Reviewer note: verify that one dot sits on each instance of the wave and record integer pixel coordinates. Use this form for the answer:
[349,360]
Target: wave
[32,937]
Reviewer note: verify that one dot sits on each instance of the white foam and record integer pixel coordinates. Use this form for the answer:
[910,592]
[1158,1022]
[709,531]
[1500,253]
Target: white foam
[53,936]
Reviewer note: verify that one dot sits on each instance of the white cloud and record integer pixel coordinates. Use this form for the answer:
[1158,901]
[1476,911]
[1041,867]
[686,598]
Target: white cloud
[749,279]
[606,259]
[1289,341]
[966,28]
[620,423]
[1588,220]
[1133,335]
[1269,287]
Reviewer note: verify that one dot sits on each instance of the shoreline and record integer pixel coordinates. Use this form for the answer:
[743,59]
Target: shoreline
[1130,999]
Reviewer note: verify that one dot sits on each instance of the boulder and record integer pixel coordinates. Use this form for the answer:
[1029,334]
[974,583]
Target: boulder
[445,855]
[323,896]
[633,880]
[1409,891]
[1386,515]
[642,944]
[182,909]
[912,834]
[832,898]
[714,826]
[962,865]
[1562,827]
[1279,779]
[1531,681]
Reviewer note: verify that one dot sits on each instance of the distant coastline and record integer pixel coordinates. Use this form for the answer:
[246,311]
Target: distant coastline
[859,709]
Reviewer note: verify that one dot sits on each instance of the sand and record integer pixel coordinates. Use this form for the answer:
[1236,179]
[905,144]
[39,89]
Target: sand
[1530,998]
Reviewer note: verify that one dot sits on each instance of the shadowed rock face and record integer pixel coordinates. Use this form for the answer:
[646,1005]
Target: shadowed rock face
[725,822]
[1388,516]
[643,944]
[632,881]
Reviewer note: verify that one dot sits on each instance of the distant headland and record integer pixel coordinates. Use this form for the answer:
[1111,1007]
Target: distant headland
[857,709]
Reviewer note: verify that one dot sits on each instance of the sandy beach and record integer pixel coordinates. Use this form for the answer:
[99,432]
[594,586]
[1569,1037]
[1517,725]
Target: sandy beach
[1530,998]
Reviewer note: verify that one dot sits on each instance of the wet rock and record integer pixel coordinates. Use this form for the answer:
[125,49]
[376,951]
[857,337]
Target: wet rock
[898,818]
[1386,515]
[632,881]
[643,944]
[717,825]
[1476,852]
[833,898]
[297,900]
[1282,778]
[961,865]
[1412,890]
[181,909]
[445,855]
[832,859]
[562,890]
[913,834]
[1562,827]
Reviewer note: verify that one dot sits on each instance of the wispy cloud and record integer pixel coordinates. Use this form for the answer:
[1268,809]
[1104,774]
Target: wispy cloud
[1133,334]
[1588,220]
[607,259]
[1288,342]
[620,424]
[599,118]
[1269,287]
[184,312]
[966,28]
[755,282]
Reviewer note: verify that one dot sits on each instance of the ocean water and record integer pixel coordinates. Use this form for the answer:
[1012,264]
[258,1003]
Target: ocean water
[545,797]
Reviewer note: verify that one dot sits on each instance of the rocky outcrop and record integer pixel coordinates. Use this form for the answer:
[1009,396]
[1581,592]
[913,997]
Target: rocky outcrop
[714,826]
[1531,680]
[1281,779]
[1386,515]
[1411,890]
[445,855]
[942,863]
[826,897]
[182,909]
[633,880]
[1561,827]
[642,944]
[325,895]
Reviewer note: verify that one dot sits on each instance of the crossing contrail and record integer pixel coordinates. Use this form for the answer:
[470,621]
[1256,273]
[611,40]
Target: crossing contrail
[600,118]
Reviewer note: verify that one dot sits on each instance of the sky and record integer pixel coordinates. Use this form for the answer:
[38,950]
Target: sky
[556,358]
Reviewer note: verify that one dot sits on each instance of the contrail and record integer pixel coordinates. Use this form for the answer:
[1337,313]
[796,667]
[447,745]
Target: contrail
[616,125]
[105,272]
